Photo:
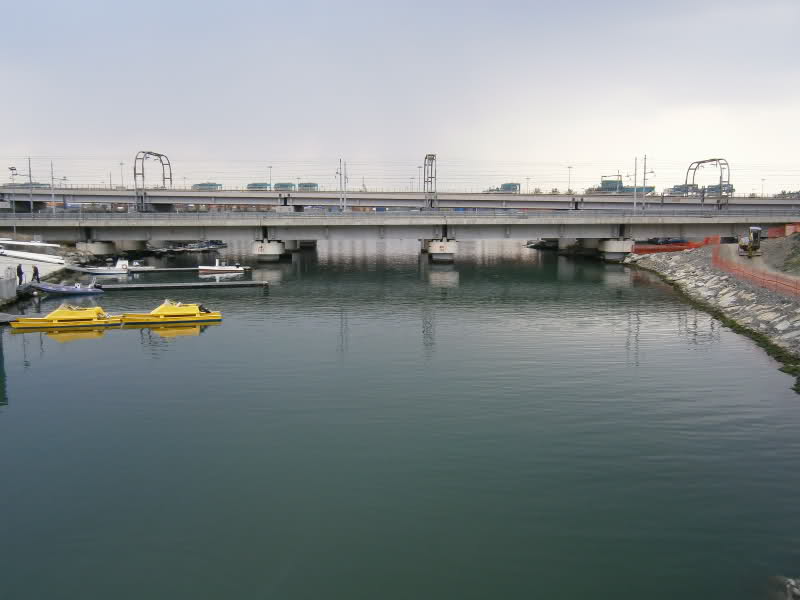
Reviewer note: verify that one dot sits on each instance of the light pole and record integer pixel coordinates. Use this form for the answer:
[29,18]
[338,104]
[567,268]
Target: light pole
[762,187]
[569,179]
[270,176]
[527,185]
[419,178]
[14,197]
[121,176]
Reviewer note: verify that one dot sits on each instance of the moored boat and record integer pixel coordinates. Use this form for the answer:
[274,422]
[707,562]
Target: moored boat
[68,316]
[222,267]
[172,312]
[120,268]
[138,267]
[67,290]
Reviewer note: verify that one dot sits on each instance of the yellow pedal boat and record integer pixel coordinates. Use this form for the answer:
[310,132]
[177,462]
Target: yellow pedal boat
[172,312]
[66,316]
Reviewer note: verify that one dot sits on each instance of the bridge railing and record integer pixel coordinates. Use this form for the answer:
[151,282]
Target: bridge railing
[790,213]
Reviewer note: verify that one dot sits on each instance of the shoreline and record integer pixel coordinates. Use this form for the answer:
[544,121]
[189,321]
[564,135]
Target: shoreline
[771,320]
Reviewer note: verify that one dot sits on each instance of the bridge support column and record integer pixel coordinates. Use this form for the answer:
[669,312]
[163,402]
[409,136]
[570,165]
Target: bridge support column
[615,250]
[97,248]
[291,245]
[442,250]
[567,245]
[131,245]
[268,251]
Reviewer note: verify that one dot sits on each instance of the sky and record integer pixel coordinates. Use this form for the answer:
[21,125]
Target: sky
[500,91]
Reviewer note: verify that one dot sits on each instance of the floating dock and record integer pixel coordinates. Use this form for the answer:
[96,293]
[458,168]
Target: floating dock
[184,285]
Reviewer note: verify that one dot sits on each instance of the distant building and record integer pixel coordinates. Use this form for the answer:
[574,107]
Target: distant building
[26,186]
[259,186]
[283,187]
[308,187]
[683,189]
[208,186]
[506,188]
[612,184]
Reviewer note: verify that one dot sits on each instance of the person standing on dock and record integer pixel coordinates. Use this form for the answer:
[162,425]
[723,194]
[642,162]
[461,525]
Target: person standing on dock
[20,274]
[35,276]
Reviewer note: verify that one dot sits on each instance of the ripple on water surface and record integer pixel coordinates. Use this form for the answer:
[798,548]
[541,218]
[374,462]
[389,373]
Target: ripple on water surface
[517,425]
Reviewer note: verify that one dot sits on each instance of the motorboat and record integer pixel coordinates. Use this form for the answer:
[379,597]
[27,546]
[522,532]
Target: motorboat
[68,316]
[172,312]
[120,268]
[218,277]
[33,256]
[68,290]
[222,267]
[139,267]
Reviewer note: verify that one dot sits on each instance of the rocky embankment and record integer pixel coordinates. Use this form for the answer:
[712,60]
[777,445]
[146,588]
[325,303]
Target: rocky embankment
[769,318]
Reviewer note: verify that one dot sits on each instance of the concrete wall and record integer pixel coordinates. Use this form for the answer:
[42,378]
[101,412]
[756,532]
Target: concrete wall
[8,284]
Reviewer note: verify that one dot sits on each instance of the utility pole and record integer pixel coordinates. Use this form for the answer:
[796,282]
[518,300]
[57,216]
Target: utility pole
[569,180]
[270,176]
[110,185]
[527,185]
[635,181]
[52,192]
[30,185]
[14,198]
[340,174]
[762,187]
[419,178]
[121,176]
[644,181]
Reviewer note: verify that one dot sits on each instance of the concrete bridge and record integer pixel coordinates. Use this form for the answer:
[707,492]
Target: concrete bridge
[610,232]
[170,200]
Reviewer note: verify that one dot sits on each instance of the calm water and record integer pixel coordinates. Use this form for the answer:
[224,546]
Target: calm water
[515,426]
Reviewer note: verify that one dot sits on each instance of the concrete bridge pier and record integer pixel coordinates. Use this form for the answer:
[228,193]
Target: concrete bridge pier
[97,248]
[131,246]
[291,245]
[442,251]
[568,245]
[615,250]
[268,250]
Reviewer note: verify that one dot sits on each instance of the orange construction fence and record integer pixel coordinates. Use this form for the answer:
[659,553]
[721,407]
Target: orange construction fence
[777,282]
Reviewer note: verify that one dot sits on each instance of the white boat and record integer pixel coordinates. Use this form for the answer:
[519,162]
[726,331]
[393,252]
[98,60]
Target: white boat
[34,256]
[137,267]
[120,268]
[222,267]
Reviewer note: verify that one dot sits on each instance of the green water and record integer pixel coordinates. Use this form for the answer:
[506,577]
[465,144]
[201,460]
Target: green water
[517,425]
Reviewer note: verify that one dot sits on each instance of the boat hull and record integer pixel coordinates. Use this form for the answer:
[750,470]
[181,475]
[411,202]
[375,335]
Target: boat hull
[147,319]
[65,290]
[39,324]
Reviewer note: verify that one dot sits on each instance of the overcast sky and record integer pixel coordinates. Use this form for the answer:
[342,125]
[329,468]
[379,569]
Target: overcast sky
[499,90]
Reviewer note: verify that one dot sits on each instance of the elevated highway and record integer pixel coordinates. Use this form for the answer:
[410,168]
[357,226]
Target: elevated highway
[609,231]
[169,200]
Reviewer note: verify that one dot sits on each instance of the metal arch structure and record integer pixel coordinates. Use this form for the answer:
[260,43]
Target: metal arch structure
[138,173]
[429,181]
[724,173]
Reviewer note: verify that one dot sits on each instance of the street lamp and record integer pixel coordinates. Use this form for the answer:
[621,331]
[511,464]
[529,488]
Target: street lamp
[270,176]
[14,197]
[762,187]
[121,176]
[569,179]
